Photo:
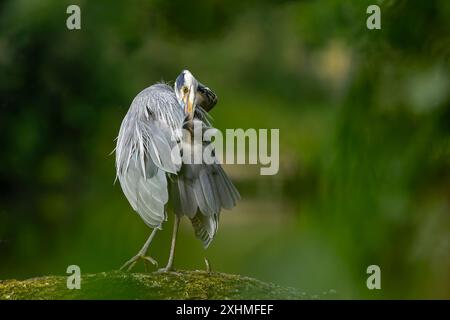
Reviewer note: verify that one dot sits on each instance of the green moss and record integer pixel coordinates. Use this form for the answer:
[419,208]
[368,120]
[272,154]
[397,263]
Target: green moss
[172,285]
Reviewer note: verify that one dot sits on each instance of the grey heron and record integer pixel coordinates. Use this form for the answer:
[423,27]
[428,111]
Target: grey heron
[146,168]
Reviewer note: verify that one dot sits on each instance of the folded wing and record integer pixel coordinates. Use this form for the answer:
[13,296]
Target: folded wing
[144,151]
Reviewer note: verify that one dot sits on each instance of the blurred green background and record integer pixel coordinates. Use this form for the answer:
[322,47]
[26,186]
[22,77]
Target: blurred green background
[364,119]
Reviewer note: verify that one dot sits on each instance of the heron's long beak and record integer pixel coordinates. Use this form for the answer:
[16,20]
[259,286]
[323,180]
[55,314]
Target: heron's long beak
[189,101]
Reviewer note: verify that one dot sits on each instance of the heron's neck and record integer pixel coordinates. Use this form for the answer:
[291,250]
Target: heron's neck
[189,125]
[189,117]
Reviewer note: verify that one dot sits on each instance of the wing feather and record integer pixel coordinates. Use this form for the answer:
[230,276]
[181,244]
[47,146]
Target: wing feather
[143,152]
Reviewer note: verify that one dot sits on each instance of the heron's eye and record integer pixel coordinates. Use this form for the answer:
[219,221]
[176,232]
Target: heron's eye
[185,90]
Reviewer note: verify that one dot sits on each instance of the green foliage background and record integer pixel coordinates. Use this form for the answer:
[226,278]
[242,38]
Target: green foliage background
[364,119]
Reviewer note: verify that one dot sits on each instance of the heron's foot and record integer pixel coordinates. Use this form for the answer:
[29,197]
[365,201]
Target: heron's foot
[166,269]
[132,262]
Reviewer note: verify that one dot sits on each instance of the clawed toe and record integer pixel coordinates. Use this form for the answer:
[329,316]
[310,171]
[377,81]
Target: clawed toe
[132,262]
[166,269]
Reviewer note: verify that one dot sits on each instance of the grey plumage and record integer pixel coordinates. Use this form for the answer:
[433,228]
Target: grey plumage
[200,192]
[146,167]
[143,151]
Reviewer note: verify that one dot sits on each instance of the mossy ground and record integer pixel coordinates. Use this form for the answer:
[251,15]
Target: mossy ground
[171,285]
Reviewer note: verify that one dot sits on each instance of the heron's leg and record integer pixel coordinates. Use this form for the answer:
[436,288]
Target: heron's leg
[142,255]
[169,266]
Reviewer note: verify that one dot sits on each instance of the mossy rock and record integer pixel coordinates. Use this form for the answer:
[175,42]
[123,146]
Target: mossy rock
[171,285]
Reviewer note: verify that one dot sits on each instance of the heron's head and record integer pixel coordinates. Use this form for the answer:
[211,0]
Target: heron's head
[186,91]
